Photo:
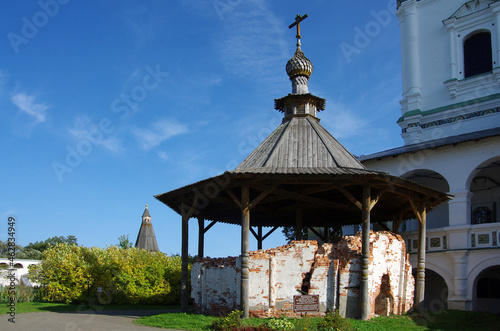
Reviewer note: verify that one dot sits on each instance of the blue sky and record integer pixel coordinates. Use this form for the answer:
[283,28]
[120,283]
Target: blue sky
[105,104]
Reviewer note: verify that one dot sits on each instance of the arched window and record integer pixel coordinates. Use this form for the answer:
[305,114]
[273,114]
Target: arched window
[477,54]
[482,215]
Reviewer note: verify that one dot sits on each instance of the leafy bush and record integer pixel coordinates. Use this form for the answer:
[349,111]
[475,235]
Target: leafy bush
[230,322]
[333,321]
[71,273]
[281,323]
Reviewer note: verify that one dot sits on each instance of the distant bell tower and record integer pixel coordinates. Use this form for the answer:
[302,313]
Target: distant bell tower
[146,238]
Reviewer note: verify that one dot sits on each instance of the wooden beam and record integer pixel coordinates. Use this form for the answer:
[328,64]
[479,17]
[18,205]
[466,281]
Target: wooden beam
[383,226]
[305,199]
[318,189]
[269,233]
[365,306]
[262,195]
[397,223]
[256,236]
[317,233]
[184,259]
[201,236]
[406,207]
[350,197]
[235,199]
[209,226]
[377,198]
[259,237]
[415,207]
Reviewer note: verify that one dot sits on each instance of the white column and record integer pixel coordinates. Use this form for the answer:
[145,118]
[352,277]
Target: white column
[457,296]
[496,11]
[459,208]
[410,60]
[495,193]
[453,51]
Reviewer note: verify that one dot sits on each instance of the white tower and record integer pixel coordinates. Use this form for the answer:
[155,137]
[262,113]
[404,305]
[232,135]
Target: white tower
[450,121]
[451,77]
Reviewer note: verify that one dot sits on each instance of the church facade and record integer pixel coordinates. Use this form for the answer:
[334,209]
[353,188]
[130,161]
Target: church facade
[450,122]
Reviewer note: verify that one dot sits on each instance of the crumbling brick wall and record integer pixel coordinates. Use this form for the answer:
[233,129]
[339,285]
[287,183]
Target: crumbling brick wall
[390,282]
[215,285]
[332,271]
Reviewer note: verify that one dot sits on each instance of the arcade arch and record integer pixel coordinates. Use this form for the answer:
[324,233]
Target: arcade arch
[436,290]
[484,183]
[437,218]
[486,290]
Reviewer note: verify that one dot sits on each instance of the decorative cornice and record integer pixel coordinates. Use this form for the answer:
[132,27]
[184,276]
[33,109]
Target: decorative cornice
[455,119]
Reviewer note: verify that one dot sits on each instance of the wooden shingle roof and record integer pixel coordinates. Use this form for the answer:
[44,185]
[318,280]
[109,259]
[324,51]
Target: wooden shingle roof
[300,142]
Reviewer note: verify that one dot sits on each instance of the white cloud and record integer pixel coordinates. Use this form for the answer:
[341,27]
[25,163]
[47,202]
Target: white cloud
[253,43]
[343,123]
[159,131]
[113,144]
[26,103]
[85,129]
[162,155]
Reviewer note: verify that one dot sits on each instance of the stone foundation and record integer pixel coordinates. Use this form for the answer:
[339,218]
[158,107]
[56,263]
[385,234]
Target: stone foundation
[332,271]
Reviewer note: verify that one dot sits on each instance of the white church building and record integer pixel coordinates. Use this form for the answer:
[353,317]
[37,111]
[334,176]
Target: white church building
[450,122]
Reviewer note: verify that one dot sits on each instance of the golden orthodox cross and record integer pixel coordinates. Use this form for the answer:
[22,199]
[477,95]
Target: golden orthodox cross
[298,19]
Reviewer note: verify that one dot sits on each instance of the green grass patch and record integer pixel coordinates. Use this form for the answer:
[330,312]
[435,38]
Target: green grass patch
[459,320]
[35,307]
[180,321]
[440,321]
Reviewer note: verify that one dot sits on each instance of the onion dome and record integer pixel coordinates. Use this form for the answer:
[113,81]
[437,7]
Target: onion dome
[299,65]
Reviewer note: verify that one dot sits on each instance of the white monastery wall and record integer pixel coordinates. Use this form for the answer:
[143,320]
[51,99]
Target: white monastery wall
[20,270]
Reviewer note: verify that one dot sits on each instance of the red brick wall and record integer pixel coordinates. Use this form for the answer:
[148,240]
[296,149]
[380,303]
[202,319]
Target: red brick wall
[277,274]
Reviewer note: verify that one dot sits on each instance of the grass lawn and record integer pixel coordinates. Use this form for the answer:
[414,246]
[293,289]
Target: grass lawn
[35,307]
[445,321]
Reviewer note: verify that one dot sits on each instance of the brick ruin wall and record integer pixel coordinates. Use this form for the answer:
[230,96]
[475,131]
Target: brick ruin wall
[332,271]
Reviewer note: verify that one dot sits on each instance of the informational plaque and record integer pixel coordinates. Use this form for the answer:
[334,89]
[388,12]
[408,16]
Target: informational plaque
[305,303]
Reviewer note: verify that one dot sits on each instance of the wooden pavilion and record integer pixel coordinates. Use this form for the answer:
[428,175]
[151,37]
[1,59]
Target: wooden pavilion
[301,176]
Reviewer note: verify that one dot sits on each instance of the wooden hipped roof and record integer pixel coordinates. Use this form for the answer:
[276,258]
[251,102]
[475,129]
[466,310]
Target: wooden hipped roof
[300,142]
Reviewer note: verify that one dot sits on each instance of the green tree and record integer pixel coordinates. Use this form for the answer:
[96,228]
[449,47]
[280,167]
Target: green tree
[29,254]
[124,242]
[4,249]
[334,234]
[35,250]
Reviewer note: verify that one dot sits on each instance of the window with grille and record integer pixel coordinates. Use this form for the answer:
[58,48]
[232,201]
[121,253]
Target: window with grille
[477,54]
[482,215]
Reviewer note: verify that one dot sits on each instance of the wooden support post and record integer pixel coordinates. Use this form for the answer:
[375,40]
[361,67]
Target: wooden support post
[364,298]
[419,209]
[259,237]
[245,247]
[201,236]
[298,223]
[184,259]
[396,224]
[420,286]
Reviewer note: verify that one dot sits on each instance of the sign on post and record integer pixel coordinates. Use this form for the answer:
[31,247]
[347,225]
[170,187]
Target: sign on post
[305,303]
